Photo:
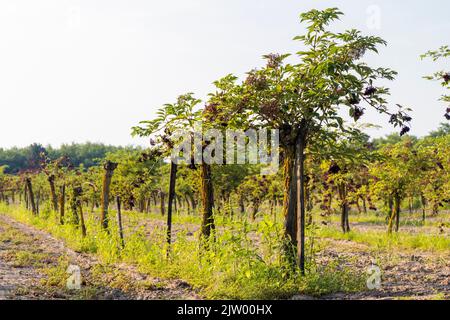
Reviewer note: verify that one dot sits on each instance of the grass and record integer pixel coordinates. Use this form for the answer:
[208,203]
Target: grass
[55,281]
[236,266]
[26,258]
[20,258]
[56,275]
[376,239]
[407,219]
[435,297]
[381,240]
[12,235]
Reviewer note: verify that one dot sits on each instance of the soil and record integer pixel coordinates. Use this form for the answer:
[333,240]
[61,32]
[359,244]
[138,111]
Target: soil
[405,274]
[30,279]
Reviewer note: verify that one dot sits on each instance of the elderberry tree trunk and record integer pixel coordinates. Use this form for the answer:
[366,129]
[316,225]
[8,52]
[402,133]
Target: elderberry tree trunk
[77,209]
[289,200]
[163,203]
[119,221]
[51,181]
[109,171]
[25,196]
[345,225]
[423,203]
[31,196]
[62,203]
[290,205]
[82,223]
[294,203]
[395,214]
[301,203]
[207,194]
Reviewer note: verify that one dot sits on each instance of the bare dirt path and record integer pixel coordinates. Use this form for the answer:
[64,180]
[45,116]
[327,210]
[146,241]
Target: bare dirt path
[405,274]
[33,265]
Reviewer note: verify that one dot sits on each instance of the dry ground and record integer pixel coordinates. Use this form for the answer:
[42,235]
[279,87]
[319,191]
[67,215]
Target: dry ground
[33,265]
[405,274]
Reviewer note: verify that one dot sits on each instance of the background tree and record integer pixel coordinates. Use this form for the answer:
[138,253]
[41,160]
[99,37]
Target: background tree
[433,162]
[392,176]
[109,168]
[255,189]
[347,160]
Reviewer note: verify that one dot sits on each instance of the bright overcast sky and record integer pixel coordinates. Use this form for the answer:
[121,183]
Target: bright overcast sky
[88,70]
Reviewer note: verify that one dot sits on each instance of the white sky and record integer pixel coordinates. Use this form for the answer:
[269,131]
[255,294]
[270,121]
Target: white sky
[88,70]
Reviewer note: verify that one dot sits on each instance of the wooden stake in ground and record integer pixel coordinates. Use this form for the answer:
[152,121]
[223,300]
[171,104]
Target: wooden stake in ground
[74,217]
[119,221]
[79,207]
[207,194]
[62,203]
[173,177]
[25,196]
[31,195]
[300,179]
[163,203]
[109,171]
[395,214]
[54,198]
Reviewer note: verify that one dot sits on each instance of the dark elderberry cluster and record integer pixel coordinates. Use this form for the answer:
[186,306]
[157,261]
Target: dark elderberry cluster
[401,118]
[259,82]
[270,109]
[262,183]
[242,104]
[334,168]
[404,130]
[77,191]
[356,112]
[273,60]
[354,99]
[370,90]
[138,182]
[407,118]
[357,53]
[152,154]
[446,77]
[212,109]
[165,138]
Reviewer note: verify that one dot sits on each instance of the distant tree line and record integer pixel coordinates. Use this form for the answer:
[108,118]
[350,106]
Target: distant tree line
[90,154]
[80,154]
